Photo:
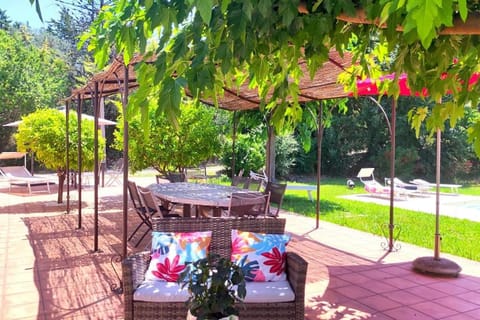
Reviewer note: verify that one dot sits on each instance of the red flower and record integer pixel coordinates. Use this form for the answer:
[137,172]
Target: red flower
[169,271]
[276,260]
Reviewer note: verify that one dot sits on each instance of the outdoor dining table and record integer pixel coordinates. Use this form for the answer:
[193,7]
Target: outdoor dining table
[214,196]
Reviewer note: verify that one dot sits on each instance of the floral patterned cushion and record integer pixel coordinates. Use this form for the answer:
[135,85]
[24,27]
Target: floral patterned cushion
[172,250]
[262,257]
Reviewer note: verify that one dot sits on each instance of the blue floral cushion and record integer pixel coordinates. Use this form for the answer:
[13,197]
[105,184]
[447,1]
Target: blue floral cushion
[261,256]
[171,251]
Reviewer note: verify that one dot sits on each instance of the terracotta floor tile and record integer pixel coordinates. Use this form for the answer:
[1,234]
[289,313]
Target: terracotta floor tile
[433,309]
[473,297]
[448,287]
[423,291]
[474,313]
[457,304]
[354,292]
[407,313]
[404,297]
[378,302]
[461,316]
[400,283]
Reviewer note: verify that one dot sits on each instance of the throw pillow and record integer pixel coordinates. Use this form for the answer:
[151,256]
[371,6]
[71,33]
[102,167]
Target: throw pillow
[261,256]
[172,251]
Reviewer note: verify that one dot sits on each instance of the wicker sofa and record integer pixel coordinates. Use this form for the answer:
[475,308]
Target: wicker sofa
[134,268]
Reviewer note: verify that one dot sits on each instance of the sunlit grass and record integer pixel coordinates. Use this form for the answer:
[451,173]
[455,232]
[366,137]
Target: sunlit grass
[459,237]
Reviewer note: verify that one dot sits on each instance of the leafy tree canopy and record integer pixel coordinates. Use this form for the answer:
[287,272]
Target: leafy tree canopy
[43,132]
[168,146]
[204,45]
[31,77]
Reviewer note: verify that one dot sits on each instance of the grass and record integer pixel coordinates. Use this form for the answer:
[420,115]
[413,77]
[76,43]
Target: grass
[459,237]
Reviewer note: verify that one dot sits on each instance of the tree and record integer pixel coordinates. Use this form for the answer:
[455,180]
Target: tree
[168,146]
[30,78]
[74,18]
[4,20]
[204,44]
[43,133]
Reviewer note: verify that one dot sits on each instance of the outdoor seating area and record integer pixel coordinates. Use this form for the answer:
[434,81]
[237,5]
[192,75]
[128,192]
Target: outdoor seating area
[280,299]
[50,271]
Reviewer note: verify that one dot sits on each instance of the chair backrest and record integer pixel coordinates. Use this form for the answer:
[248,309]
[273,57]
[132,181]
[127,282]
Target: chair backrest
[248,204]
[149,202]
[118,165]
[241,182]
[277,191]
[177,177]
[134,195]
[254,184]
[16,172]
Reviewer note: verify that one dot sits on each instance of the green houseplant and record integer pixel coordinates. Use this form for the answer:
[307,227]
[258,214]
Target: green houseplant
[215,284]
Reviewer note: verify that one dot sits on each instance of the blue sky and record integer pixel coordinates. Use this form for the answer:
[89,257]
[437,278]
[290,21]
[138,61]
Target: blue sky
[23,11]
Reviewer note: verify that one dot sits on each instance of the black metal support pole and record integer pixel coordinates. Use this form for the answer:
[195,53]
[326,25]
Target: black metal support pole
[67,149]
[319,161]
[79,158]
[234,138]
[391,224]
[96,171]
[125,163]
[436,254]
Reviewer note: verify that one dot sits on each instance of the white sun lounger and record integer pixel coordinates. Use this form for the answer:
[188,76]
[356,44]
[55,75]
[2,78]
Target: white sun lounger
[375,188]
[427,186]
[20,176]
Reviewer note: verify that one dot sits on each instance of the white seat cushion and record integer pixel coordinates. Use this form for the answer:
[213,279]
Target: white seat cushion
[160,291]
[270,291]
[257,292]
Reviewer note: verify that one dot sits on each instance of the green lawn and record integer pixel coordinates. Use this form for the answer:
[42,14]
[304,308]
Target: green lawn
[459,237]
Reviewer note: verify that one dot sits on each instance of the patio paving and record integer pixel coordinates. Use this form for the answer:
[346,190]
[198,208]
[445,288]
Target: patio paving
[48,269]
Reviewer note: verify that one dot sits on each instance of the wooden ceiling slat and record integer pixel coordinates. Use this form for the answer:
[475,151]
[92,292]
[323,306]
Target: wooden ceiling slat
[322,86]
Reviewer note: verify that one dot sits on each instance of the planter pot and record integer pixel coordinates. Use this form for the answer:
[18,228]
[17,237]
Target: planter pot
[232,317]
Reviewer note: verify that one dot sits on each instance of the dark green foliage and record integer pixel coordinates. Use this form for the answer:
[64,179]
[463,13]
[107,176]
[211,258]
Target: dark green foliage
[215,285]
[286,147]
[249,153]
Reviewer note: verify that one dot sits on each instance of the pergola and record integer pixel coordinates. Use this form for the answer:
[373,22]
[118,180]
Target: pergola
[119,78]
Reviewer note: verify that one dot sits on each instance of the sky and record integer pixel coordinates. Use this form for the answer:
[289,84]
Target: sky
[23,11]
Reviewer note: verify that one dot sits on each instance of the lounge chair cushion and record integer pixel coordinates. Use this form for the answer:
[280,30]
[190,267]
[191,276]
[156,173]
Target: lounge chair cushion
[160,291]
[172,250]
[257,292]
[261,256]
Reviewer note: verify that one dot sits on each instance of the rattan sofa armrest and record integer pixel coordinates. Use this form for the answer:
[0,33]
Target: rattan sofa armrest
[297,274]
[133,273]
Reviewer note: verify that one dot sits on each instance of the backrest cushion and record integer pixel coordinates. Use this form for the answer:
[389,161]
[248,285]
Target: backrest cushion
[261,256]
[171,251]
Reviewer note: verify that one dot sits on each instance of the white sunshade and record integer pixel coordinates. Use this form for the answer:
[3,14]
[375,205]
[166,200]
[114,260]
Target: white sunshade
[11,155]
[101,121]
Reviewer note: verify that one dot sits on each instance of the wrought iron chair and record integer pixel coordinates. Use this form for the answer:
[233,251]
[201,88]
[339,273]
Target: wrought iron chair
[276,191]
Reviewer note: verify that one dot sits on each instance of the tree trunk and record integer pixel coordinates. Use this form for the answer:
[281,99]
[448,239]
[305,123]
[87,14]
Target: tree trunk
[61,181]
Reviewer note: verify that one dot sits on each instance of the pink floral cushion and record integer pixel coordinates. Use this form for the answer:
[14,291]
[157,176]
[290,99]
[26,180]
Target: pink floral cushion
[171,251]
[262,257]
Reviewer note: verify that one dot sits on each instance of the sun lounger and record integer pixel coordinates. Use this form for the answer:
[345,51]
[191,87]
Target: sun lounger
[20,176]
[428,186]
[375,188]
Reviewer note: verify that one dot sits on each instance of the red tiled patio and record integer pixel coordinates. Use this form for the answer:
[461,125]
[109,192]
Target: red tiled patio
[48,271]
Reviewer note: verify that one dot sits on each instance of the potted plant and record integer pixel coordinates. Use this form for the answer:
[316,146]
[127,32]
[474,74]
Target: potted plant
[215,284]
